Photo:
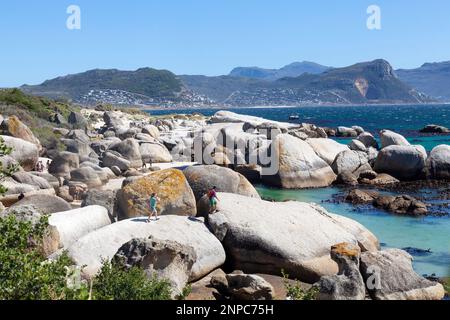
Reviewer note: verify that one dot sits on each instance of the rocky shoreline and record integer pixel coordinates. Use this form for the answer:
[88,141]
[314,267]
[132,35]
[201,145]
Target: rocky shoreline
[97,185]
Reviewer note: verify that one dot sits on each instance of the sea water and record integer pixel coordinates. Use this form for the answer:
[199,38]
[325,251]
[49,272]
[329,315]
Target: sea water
[406,120]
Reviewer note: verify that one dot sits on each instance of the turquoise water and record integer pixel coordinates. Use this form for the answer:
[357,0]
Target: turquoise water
[407,120]
[392,231]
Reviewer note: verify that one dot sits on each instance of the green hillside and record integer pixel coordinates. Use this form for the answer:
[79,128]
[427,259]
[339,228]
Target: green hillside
[149,82]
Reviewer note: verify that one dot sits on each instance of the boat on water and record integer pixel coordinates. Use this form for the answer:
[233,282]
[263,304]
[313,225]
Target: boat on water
[294,117]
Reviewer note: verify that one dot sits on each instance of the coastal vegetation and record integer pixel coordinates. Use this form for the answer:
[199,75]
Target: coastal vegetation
[38,113]
[296,291]
[151,83]
[26,274]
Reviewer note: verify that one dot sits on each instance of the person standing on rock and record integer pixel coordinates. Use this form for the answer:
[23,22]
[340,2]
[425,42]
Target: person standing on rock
[212,196]
[153,203]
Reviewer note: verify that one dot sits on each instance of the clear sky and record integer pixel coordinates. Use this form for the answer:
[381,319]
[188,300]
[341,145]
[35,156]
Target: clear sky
[213,36]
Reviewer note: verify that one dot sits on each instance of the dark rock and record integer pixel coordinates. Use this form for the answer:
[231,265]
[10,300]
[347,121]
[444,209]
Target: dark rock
[433,128]
[58,119]
[417,251]
[381,179]
[240,286]
[346,178]
[77,120]
[401,205]
[251,172]
[368,174]
[360,197]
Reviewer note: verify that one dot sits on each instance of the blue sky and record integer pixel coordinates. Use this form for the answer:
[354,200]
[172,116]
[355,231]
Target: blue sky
[213,36]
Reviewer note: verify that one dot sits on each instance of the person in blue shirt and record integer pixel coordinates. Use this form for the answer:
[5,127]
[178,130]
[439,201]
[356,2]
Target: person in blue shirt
[153,204]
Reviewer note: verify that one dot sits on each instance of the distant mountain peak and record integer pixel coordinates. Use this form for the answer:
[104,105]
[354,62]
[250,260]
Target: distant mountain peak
[293,69]
[432,78]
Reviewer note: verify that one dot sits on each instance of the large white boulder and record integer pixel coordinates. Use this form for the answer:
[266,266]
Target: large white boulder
[326,149]
[396,278]
[402,162]
[297,165]
[154,152]
[231,117]
[203,178]
[24,152]
[129,150]
[350,161]
[438,163]
[266,237]
[104,243]
[74,224]
[389,138]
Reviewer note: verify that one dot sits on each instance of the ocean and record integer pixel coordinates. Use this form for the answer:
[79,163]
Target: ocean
[406,120]
[393,231]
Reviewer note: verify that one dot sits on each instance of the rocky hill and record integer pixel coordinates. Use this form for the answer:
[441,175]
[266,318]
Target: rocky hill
[291,70]
[143,86]
[368,82]
[431,78]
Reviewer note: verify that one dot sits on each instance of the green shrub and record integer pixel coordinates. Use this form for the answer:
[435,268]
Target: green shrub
[296,292]
[117,283]
[25,274]
[39,106]
[185,293]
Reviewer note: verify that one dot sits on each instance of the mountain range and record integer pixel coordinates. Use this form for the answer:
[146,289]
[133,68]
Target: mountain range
[299,83]
[431,78]
[291,70]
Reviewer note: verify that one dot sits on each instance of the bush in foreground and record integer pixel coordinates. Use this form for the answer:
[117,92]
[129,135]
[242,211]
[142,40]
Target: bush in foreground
[117,283]
[296,292]
[25,273]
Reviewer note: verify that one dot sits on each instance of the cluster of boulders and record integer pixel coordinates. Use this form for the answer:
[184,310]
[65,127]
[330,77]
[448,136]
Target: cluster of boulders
[402,205]
[307,158]
[21,162]
[246,233]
